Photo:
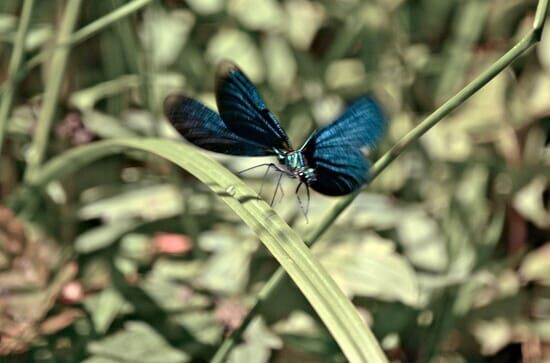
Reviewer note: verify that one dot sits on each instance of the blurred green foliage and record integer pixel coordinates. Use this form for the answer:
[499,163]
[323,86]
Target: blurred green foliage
[447,255]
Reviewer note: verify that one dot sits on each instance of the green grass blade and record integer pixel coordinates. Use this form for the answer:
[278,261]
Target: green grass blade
[78,37]
[381,164]
[53,88]
[339,315]
[540,17]
[15,63]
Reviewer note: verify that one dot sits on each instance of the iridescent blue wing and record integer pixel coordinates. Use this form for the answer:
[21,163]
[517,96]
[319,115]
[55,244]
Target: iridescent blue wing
[243,110]
[205,128]
[336,152]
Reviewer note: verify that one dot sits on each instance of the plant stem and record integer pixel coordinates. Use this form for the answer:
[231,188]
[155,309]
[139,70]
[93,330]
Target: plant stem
[55,75]
[540,17]
[279,276]
[103,22]
[15,63]
[81,35]
[524,44]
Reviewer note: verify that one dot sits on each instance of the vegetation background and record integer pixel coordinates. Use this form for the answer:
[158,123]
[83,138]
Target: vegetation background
[446,255]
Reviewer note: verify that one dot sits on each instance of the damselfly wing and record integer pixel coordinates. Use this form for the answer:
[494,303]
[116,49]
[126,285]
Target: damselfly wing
[331,161]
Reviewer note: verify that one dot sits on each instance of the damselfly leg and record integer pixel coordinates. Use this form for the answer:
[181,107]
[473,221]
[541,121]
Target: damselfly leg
[276,189]
[269,166]
[306,210]
[255,167]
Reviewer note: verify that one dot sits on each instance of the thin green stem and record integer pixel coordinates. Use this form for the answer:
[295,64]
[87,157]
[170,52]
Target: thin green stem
[235,337]
[53,87]
[540,17]
[82,34]
[103,22]
[15,63]
[279,276]
[524,44]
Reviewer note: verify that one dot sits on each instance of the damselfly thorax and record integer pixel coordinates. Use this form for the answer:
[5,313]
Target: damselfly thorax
[296,164]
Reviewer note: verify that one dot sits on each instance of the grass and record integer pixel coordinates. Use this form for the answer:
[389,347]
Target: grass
[51,194]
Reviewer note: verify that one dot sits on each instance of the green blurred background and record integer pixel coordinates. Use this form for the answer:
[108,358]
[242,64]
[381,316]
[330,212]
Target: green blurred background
[447,255]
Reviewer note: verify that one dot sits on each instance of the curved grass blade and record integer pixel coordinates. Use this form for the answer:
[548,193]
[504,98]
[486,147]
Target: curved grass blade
[279,276]
[339,315]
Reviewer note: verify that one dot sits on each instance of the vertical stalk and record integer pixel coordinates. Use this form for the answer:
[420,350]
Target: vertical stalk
[15,64]
[467,29]
[55,75]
